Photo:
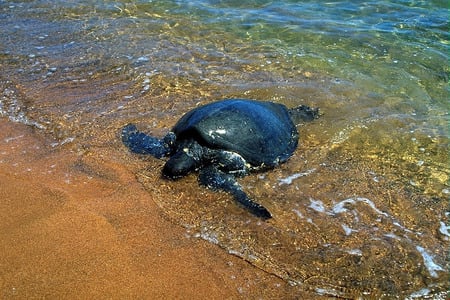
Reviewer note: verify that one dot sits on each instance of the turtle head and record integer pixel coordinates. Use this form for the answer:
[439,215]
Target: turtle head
[187,158]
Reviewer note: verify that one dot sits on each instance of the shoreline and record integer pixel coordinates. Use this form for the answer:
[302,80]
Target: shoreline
[83,230]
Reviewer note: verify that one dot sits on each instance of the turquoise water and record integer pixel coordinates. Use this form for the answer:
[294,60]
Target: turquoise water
[396,51]
[378,70]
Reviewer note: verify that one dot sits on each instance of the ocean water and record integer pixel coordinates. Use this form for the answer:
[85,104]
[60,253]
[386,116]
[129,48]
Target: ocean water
[361,209]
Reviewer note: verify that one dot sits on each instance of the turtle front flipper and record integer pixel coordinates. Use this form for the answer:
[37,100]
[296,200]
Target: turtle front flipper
[218,180]
[139,142]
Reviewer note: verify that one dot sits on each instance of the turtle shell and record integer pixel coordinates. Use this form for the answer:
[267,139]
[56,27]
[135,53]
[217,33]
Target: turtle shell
[261,132]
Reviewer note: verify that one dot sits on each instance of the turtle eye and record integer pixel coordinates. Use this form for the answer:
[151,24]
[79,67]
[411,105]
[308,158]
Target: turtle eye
[170,139]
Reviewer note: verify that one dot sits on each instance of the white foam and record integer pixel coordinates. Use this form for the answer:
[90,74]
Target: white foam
[289,179]
[347,229]
[212,238]
[404,228]
[309,220]
[10,107]
[444,229]
[7,140]
[354,252]
[420,293]
[392,236]
[298,213]
[65,141]
[317,205]
[340,206]
[431,266]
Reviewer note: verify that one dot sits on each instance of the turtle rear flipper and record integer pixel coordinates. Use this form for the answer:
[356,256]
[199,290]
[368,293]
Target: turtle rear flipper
[303,113]
[215,179]
[141,143]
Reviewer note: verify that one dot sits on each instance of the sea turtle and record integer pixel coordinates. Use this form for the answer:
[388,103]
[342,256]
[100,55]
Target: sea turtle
[223,140]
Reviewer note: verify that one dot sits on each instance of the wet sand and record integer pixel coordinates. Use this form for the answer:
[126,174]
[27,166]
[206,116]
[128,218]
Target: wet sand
[85,228]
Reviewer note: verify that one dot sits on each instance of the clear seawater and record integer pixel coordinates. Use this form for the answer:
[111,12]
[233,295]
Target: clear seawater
[360,209]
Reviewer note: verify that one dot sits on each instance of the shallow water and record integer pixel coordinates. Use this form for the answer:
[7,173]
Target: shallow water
[362,206]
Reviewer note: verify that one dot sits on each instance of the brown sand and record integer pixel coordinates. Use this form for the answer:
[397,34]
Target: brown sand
[71,229]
